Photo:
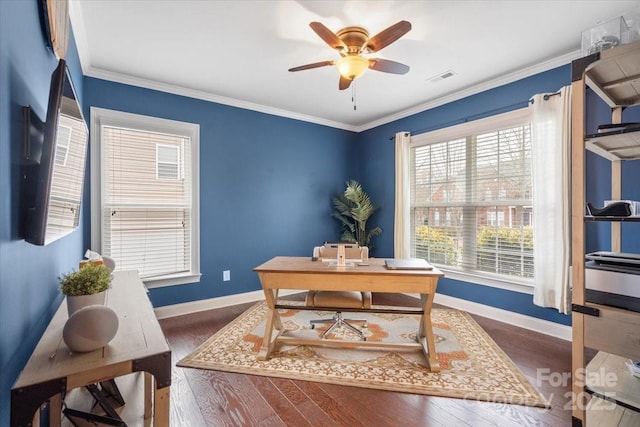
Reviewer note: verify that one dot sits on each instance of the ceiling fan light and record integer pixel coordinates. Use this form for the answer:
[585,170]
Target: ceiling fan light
[352,67]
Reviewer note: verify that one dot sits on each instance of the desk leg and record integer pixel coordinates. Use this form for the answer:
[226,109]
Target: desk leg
[273,321]
[425,333]
[161,407]
[55,410]
[148,393]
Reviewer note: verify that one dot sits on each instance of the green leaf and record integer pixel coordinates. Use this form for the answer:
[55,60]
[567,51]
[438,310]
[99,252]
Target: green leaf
[353,208]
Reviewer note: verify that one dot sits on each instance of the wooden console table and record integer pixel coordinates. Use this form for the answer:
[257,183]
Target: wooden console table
[139,345]
[303,273]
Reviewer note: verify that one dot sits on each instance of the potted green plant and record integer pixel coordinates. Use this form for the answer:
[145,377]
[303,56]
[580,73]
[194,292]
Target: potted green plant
[353,208]
[85,286]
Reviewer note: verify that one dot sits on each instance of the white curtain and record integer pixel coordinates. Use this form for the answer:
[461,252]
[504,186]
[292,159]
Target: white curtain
[402,223]
[550,145]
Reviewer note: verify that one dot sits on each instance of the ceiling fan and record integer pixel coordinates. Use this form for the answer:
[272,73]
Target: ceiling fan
[351,43]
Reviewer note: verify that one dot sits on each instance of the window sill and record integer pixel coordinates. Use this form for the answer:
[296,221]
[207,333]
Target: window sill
[177,279]
[522,287]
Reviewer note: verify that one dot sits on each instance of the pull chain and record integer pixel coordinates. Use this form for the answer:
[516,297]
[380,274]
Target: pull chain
[353,95]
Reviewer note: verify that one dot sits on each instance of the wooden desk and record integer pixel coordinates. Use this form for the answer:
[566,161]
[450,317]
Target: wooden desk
[139,345]
[302,273]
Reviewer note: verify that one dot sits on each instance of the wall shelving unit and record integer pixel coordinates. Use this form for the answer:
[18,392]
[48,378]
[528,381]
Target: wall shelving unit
[614,75]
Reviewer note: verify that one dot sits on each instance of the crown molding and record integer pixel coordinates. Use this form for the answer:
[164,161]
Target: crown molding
[90,71]
[207,96]
[475,89]
[80,33]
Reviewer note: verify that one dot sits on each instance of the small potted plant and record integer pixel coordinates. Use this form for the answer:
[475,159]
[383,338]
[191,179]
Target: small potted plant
[85,286]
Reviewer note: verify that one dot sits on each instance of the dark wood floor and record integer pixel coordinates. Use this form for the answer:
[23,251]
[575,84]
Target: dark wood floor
[211,398]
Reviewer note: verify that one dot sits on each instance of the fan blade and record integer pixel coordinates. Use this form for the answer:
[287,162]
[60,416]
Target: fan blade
[344,83]
[328,36]
[387,66]
[314,65]
[388,36]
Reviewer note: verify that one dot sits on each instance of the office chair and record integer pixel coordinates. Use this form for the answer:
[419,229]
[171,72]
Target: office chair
[339,300]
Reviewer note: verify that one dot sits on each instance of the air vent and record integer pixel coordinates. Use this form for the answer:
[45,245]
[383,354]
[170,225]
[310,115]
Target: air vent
[445,75]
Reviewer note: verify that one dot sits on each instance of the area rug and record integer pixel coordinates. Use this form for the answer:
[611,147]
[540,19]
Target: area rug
[472,365]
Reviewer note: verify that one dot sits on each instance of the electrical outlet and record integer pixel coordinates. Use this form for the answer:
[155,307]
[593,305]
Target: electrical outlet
[226,275]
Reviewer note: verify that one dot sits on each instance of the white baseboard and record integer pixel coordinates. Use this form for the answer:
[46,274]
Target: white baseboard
[527,322]
[212,303]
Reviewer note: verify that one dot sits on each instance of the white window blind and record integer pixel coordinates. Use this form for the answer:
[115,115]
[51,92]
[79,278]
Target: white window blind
[148,222]
[477,177]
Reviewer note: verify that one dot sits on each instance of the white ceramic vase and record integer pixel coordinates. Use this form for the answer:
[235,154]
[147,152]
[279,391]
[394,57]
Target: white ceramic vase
[90,328]
[75,303]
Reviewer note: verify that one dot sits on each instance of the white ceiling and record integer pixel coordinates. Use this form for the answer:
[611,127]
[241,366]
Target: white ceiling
[238,52]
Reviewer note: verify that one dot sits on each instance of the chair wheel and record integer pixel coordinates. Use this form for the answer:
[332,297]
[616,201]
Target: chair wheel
[313,326]
[364,338]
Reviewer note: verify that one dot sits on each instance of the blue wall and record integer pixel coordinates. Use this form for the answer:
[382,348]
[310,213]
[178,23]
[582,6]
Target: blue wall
[377,175]
[378,155]
[270,180]
[599,184]
[266,184]
[28,274]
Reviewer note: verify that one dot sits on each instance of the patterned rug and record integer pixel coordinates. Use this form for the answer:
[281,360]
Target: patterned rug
[472,365]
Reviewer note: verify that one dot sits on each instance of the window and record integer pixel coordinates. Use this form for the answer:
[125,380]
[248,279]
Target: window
[66,188]
[145,195]
[168,162]
[479,175]
[495,218]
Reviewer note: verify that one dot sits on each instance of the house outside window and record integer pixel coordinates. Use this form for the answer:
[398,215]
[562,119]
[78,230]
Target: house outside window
[145,195]
[63,141]
[478,176]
